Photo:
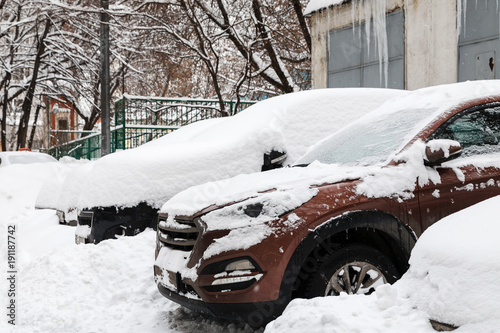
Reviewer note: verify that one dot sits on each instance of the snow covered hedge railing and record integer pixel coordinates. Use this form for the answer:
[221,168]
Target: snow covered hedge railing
[141,119]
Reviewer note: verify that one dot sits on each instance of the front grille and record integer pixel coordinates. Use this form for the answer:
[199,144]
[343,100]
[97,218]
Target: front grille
[180,234]
[85,218]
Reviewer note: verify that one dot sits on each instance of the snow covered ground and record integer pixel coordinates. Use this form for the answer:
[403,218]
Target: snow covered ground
[63,287]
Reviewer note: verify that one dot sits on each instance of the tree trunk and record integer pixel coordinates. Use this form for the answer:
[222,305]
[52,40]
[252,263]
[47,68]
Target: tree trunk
[3,127]
[33,128]
[302,22]
[28,99]
[271,52]
[203,43]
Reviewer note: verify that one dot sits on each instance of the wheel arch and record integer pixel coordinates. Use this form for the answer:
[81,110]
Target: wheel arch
[377,229]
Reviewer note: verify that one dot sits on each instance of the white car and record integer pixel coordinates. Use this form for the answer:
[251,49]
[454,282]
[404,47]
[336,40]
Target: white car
[24,157]
[123,191]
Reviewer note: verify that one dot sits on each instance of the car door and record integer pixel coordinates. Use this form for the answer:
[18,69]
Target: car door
[475,175]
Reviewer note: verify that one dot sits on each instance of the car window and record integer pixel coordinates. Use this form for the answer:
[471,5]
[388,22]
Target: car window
[478,132]
[370,140]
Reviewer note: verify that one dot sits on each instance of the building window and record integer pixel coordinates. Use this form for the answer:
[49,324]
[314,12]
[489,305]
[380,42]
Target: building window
[353,59]
[478,43]
[62,125]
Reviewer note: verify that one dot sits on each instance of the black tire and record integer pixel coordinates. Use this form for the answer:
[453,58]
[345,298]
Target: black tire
[345,270]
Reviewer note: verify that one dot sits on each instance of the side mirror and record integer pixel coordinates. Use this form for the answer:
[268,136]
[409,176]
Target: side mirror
[273,160]
[441,150]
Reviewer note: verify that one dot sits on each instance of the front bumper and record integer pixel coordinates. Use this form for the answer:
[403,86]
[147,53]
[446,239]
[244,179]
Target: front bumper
[256,314]
[250,291]
[110,222]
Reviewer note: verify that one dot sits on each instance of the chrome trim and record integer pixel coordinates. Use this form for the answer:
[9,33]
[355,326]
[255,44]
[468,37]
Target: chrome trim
[177,234]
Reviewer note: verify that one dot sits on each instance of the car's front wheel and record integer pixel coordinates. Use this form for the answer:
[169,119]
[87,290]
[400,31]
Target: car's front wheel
[353,269]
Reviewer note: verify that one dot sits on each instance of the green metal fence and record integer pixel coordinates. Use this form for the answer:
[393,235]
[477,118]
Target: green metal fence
[88,147]
[139,120]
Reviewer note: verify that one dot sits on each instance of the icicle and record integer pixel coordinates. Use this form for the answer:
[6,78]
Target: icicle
[360,5]
[375,13]
[336,14]
[462,15]
[368,15]
[317,20]
[380,29]
[328,29]
[498,13]
[353,6]
[498,18]
[464,10]
[329,13]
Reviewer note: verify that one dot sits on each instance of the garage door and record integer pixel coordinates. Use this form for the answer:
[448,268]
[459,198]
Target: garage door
[353,59]
[479,42]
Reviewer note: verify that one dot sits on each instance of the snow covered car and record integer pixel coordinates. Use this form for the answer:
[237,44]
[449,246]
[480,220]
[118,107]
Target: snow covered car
[344,219]
[124,190]
[24,157]
[61,191]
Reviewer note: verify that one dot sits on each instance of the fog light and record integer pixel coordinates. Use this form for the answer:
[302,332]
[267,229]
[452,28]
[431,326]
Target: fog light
[240,265]
[230,280]
[226,267]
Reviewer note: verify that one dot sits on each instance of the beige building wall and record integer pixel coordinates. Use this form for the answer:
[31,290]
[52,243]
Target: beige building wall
[431,39]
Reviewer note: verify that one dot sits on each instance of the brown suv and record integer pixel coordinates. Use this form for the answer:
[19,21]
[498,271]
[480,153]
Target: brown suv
[344,219]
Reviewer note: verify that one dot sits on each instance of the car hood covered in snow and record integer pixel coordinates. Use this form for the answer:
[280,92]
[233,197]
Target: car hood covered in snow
[220,148]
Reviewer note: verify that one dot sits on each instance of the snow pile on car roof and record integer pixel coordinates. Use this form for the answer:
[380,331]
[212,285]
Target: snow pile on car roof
[217,149]
[59,191]
[32,176]
[452,279]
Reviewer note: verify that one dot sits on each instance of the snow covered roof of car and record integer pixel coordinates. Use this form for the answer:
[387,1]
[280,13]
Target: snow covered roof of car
[24,157]
[20,176]
[221,148]
[62,190]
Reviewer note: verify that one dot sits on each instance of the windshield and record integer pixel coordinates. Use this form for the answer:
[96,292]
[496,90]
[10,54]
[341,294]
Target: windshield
[372,139]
